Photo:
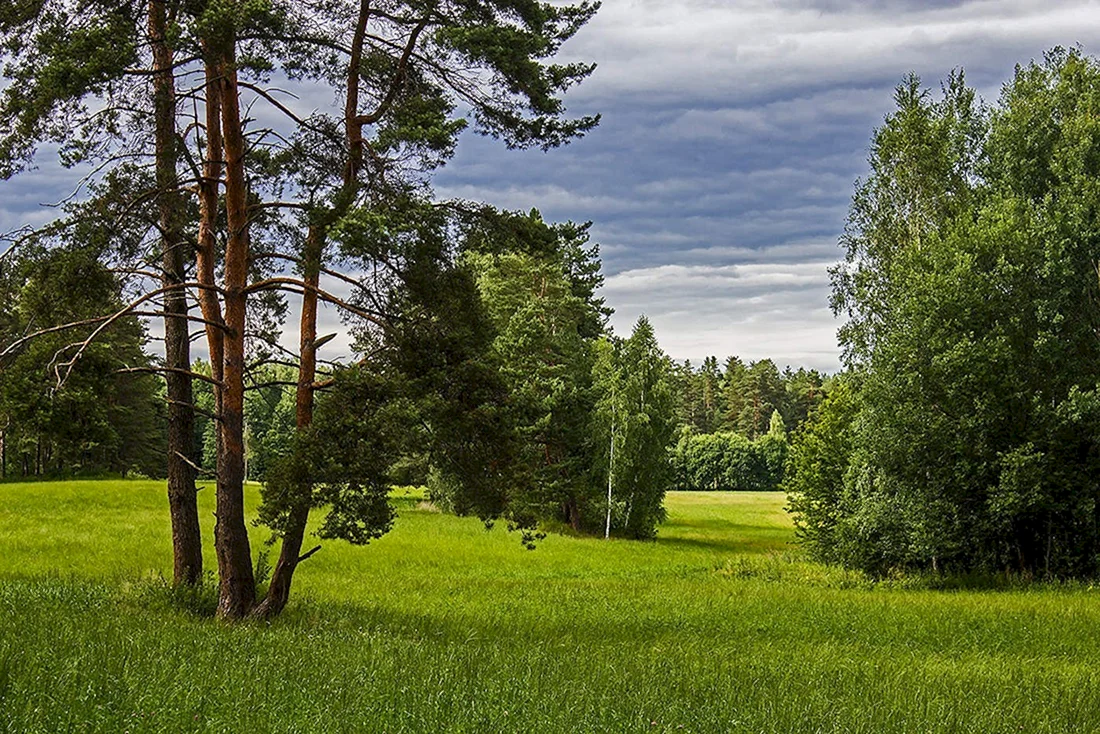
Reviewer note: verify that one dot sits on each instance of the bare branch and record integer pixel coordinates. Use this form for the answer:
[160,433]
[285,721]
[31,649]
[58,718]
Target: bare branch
[198,469]
[270,383]
[264,362]
[296,285]
[398,78]
[109,319]
[279,205]
[153,72]
[52,330]
[284,109]
[201,411]
[188,317]
[176,370]
[124,311]
[16,237]
[326,271]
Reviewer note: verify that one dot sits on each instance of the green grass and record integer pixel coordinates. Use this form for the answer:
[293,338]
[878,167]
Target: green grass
[719,626]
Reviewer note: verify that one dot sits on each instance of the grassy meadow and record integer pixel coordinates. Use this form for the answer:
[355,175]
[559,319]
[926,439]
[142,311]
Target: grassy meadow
[718,626]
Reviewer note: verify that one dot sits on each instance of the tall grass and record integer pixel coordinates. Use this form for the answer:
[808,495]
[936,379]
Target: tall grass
[718,626]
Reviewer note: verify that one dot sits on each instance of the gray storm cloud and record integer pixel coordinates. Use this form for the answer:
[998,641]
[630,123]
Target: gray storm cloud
[732,134]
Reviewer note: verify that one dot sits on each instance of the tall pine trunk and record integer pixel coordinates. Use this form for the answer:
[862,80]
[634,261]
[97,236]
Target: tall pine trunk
[278,592]
[182,495]
[206,258]
[290,553]
[237,588]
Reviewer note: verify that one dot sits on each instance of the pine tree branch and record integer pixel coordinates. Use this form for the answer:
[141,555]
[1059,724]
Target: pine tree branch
[298,286]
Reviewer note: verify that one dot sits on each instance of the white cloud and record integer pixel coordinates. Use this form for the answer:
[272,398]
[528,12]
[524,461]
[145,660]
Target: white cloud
[758,310]
[751,49]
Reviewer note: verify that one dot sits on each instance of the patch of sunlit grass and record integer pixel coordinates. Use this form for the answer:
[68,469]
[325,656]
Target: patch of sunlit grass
[721,625]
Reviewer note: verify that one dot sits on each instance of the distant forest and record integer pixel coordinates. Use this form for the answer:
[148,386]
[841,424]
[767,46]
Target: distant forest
[734,421]
[108,421]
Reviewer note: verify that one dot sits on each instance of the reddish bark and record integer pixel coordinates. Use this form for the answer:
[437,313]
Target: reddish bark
[237,588]
[278,592]
[208,217]
[294,534]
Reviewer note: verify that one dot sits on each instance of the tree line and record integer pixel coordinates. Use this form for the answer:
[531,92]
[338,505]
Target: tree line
[108,418]
[734,422]
[741,397]
[965,433]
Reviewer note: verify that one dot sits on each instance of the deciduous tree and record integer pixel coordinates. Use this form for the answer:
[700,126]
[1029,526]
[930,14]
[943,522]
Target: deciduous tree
[973,301]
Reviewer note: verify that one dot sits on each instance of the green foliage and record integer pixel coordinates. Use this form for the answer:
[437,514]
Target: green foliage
[734,423]
[57,56]
[804,392]
[426,391]
[773,448]
[635,413]
[974,310]
[743,398]
[205,425]
[269,414]
[816,474]
[488,231]
[435,352]
[345,455]
[776,427]
[534,429]
[510,40]
[92,419]
[728,462]
[544,362]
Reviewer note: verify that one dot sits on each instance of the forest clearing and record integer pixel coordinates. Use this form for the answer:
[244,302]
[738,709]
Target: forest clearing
[549,366]
[718,625]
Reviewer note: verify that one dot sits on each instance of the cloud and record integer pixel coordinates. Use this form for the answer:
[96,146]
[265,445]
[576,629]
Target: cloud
[732,133]
[761,310]
[756,50]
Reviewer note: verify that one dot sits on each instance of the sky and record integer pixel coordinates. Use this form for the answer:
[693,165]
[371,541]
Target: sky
[732,134]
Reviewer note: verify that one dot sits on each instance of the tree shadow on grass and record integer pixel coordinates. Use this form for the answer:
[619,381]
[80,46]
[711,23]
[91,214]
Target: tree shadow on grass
[731,544]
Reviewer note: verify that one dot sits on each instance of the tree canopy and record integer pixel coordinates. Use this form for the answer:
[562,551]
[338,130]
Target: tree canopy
[246,213]
[967,437]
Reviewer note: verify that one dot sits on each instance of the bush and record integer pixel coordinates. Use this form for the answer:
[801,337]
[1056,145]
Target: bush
[728,462]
